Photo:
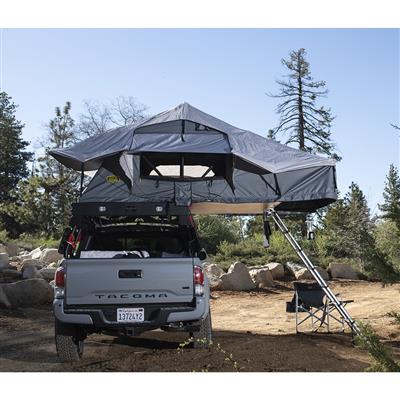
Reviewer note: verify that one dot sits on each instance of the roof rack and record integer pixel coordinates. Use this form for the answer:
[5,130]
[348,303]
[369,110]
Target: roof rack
[119,209]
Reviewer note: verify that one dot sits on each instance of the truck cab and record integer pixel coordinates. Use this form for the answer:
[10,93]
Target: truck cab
[127,270]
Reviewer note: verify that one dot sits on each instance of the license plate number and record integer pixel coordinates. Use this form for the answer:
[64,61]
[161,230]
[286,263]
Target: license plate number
[130,314]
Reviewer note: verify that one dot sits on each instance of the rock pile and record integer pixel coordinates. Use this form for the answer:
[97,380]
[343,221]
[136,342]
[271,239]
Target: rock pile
[25,293]
[240,277]
[25,276]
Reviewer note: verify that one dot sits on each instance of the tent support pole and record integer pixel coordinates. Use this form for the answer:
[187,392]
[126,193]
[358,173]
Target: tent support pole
[314,272]
[81,186]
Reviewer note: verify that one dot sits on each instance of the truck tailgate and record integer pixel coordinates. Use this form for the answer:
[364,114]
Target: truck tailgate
[129,281]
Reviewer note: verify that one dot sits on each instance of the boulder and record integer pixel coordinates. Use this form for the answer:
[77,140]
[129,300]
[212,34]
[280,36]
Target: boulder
[213,269]
[4,302]
[35,254]
[292,268]
[30,272]
[276,269]
[47,273]
[254,267]
[52,284]
[52,265]
[50,255]
[4,261]
[324,273]
[11,273]
[237,278]
[262,277]
[26,293]
[345,271]
[23,257]
[213,273]
[12,249]
[32,263]
[303,273]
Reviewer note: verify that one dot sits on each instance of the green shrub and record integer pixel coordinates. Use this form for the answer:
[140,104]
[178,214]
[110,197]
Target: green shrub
[3,237]
[387,238]
[383,360]
[215,229]
[395,315]
[30,242]
[252,252]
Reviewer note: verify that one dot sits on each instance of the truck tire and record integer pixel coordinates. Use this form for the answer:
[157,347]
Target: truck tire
[203,337]
[69,344]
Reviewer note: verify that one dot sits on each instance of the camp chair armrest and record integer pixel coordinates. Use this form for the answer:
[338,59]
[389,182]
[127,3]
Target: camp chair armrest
[347,301]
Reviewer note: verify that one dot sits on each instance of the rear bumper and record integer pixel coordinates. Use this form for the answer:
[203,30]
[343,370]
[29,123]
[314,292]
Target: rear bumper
[155,315]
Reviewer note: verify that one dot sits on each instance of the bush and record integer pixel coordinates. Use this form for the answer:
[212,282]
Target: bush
[30,242]
[387,238]
[215,229]
[252,252]
[383,360]
[3,237]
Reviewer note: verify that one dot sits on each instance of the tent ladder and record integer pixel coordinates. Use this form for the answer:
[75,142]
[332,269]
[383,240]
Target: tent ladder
[314,272]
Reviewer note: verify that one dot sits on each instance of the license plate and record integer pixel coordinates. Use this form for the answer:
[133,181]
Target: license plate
[130,314]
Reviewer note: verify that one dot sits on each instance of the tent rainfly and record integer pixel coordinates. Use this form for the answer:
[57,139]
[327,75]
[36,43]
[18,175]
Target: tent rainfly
[187,157]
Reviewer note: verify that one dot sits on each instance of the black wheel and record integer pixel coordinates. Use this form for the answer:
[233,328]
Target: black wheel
[202,338]
[69,342]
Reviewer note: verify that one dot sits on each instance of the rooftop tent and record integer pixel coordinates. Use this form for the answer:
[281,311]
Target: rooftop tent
[188,157]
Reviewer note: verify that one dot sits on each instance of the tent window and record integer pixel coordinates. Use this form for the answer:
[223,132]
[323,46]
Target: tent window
[182,166]
[189,171]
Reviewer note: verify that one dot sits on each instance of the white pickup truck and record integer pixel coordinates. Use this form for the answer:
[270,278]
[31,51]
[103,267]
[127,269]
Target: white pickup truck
[126,274]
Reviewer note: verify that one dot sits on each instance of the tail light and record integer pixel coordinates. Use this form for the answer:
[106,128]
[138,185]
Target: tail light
[59,277]
[59,280]
[198,280]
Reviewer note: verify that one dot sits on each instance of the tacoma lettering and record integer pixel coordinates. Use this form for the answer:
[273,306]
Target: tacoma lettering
[133,295]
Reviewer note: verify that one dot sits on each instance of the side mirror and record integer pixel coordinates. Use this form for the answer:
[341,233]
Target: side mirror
[202,255]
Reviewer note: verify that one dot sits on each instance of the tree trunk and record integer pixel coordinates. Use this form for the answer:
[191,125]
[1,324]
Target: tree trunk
[300,106]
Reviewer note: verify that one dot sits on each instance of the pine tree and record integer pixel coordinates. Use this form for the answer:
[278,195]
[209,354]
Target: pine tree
[335,241]
[391,195]
[59,183]
[348,232]
[32,209]
[306,124]
[358,222]
[13,157]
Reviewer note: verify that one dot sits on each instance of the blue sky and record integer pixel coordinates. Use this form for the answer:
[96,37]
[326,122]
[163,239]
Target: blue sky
[224,72]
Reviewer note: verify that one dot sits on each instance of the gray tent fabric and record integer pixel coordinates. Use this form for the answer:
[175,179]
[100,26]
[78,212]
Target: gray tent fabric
[221,138]
[249,170]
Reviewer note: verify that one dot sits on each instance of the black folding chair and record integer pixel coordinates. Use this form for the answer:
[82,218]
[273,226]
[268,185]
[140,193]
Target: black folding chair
[310,298]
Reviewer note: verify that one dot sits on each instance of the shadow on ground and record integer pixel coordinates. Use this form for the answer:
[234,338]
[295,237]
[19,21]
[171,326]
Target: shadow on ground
[26,344]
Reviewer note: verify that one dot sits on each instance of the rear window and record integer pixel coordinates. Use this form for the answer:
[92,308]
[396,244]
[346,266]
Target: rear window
[141,244]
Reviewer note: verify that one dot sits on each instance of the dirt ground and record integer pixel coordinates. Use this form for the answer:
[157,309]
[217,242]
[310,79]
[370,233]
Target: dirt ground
[253,327]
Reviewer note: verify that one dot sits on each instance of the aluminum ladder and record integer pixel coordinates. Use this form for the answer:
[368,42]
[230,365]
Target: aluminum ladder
[314,272]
